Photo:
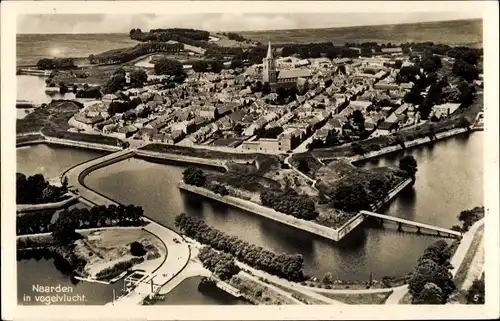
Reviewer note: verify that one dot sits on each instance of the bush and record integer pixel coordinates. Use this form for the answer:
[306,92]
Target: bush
[137,249]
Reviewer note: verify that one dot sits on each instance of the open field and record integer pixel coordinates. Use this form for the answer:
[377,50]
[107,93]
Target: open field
[55,115]
[458,32]
[104,248]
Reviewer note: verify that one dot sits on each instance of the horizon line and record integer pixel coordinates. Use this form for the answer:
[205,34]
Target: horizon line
[261,30]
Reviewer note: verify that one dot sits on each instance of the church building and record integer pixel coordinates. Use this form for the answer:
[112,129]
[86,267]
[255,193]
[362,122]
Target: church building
[280,78]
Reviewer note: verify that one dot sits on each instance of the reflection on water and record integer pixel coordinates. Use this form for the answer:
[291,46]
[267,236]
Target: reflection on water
[188,293]
[449,179]
[43,272]
[51,161]
[32,88]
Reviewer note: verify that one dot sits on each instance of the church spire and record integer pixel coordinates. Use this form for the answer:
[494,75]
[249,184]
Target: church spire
[269,51]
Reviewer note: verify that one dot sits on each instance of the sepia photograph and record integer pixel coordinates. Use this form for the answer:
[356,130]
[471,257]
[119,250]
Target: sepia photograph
[332,157]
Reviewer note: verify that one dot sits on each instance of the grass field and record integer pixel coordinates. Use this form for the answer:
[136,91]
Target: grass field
[55,115]
[458,32]
[104,248]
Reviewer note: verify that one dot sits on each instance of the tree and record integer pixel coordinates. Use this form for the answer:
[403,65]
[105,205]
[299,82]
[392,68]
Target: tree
[200,66]
[65,182]
[266,88]
[216,66]
[475,294]
[137,249]
[328,278]
[236,63]
[194,176]
[351,197]
[358,118]
[303,166]
[430,294]
[169,67]
[408,164]
[115,83]
[138,78]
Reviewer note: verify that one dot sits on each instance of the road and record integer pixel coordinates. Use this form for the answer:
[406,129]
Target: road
[178,253]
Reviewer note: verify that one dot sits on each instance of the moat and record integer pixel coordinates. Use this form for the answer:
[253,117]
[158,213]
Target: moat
[446,184]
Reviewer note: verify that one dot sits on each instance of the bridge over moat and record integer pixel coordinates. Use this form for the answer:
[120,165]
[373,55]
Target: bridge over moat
[419,226]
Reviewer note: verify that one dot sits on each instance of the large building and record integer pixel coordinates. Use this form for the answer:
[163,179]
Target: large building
[283,78]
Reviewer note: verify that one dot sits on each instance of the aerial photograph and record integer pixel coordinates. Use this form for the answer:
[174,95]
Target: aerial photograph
[249,159]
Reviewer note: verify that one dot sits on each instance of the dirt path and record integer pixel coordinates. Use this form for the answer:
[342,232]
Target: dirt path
[476,267]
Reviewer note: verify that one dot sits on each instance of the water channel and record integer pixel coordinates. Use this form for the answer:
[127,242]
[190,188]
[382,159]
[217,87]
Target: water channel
[449,179]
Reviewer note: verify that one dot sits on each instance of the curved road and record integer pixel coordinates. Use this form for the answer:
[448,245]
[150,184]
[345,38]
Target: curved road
[178,253]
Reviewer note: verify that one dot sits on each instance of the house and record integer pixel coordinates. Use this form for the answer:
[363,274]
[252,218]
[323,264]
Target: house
[444,110]
[125,131]
[84,122]
[108,98]
[208,112]
[385,128]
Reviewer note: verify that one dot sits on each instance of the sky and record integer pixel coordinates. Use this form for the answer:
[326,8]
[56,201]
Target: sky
[122,23]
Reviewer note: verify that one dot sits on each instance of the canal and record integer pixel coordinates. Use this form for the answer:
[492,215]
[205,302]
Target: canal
[449,179]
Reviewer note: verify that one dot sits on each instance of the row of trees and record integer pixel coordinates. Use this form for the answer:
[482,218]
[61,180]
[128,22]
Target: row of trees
[283,265]
[170,67]
[221,264]
[194,176]
[169,34]
[81,218]
[119,107]
[354,196]
[39,222]
[432,282]
[215,66]
[36,190]
[98,216]
[56,63]
[468,218]
[290,202]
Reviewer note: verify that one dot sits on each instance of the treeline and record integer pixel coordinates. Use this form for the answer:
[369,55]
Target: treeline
[131,53]
[169,34]
[119,107]
[56,63]
[468,218]
[290,202]
[423,75]
[356,194]
[432,282]
[283,265]
[221,264]
[80,218]
[36,190]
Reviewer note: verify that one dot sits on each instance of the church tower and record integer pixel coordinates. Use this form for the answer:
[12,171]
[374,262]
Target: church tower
[269,67]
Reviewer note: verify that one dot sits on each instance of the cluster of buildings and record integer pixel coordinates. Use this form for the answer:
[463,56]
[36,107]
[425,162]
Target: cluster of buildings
[221,111]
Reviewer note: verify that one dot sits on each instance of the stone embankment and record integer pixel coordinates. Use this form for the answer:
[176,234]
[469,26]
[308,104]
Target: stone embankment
[23,208]
[81,144]
[182,158]
[308,226]
[410,144]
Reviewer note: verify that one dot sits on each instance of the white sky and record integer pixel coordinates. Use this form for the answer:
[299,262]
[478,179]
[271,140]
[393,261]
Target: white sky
[122,23]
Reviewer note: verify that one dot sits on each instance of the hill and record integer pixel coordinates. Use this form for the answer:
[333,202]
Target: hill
[457,32]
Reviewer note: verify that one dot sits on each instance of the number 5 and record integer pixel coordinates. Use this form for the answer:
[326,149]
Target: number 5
[476,297]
